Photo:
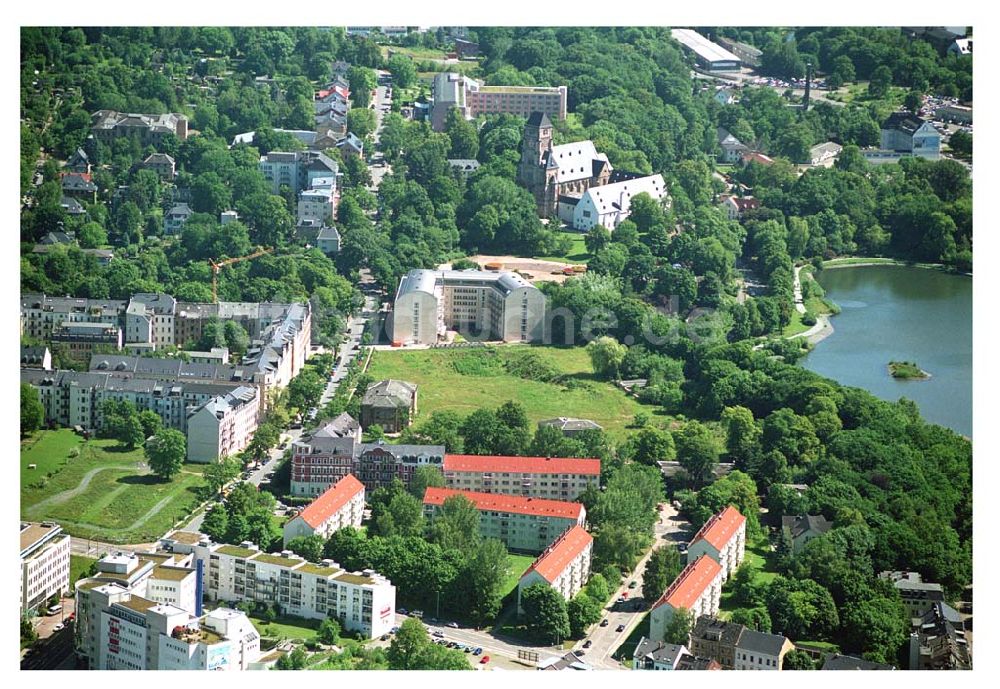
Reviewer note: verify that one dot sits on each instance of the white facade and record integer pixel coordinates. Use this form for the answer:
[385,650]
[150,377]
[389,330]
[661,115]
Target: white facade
[482,305]
[565,565]
[608,204]
[698,589]
[340,506]
[316,204]
[223,426]
[45,553]
[723,538]
[363,602]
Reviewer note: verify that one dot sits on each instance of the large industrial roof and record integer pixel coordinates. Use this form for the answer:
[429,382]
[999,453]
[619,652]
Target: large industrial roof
[704,48]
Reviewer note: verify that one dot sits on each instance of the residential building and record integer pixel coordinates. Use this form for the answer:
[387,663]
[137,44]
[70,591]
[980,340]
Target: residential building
[824,154]
[463,166]
[918,596]
[608,204]
[906,133]
[756,157]
[836,661]
[78,162]
[723,538]
[567,661]
[57,237]
[41,313]
[280,352]
[390,404]
[466,50]
[351,145]
[317,204]
[296,170]
[564,565]
[522,524]
[81,340]
[552,172]
[44,564]
[731,147]
[657,655]
[71,206]
[36,357]
[481,305]
[149,317]
[223,426]
[162,164]
[328,241]
[321,460]
[377,464]
[570,427]
[361,601]
[343,504]
[149,129]
[938,641]
[473,98]
[708,55]
[690,662]
[736,647]
[737,206]
[554,478]
[173,221]
[725,96]
[960,46]
[216,355]
[79,185]
[696,589]
[747,54]
[801,529]
[226,217]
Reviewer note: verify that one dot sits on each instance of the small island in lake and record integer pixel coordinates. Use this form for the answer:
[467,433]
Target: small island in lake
[907,370]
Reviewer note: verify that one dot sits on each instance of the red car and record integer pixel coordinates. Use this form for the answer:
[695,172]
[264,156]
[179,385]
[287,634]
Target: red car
[484,660]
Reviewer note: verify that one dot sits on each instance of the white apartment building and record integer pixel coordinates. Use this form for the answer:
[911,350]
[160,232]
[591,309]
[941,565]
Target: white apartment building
[44,564]
[481,305]
[697,589]
[723,538]
[608,204]
[564,565]
[149,318]
[361,601]
[343,504]
[554,478]
[317,204]
[223,426]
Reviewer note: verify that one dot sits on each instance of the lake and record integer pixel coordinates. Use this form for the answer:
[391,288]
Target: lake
[898,313]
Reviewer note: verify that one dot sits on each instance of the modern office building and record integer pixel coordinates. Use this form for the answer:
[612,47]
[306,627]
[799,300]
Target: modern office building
[44,564]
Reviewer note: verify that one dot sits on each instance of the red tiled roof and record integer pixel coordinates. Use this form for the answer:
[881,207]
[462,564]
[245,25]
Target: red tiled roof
[525,465]
[551,563]
[83,175]
[720,528]
[498,502]
[327,504]
[690,584]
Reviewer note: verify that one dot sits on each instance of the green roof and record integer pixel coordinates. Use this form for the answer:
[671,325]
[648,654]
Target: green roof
[136,603]
[353,578]
[276,560]
[236,551]
[319,570]
[172,573]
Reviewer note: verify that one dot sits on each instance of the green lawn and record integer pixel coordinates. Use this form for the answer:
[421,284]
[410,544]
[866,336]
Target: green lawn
[120,503]
[48,451]
[518,565]
[442,387]
[79,565]
[577,253]
[287,628]
[761,560]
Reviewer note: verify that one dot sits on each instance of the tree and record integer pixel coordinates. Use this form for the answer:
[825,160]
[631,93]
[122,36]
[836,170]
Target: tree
[456,525]
[425,477]
[150,422]
[583,611]
[880,81]
[404,74]
[296,660]
[545,612]
[310,547]
[597,239]
[754,618]
[742,433]
[679,628]
[93,236]
[165,453]
[216,523]
[798,660]
[876,627]
[28,633]
[329,632]
[697,451]
[462,134]
[218,474]
[483,577]
[361,122]
[646,212]
[606,356]
[649,446]
[32,411]
[662,568]
[403,516]
[237,339]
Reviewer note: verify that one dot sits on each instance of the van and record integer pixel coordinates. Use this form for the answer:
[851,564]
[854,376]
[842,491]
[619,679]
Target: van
[54,610]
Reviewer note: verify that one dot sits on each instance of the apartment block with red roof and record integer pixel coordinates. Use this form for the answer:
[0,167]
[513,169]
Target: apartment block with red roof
[343,504]
[525,524]
[697,589]
[554,478]
[564,565]
[723,538]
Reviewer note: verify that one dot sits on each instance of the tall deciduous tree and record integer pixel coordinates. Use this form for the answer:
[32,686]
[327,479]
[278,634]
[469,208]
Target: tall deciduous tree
[32,411]
[545,612]
[165,452]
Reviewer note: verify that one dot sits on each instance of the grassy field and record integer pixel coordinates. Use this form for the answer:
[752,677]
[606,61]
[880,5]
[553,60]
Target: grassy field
[442,387]
[518,565]
[761,560]
[103,493]
[287,628]
[79,565]
[577,254]
[48,451]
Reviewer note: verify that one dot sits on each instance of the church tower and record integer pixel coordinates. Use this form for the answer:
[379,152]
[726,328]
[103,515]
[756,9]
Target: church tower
[536,171]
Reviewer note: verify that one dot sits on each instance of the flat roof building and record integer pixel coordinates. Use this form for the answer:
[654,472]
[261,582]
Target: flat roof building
[44,564]
[709,55]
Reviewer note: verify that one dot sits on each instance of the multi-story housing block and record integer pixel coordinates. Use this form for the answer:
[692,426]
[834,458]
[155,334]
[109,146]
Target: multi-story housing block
[223,426]
[918,595]
[149,318]
[41,314]
[283,347]
[554,478]
[938,641]
[81,340]
[360,601]
[44,564]
[296,170]
[481,305]
[149,129]
[343,504]
[564,565]
[696,589]
[524,524]
[736,647]
[723,538]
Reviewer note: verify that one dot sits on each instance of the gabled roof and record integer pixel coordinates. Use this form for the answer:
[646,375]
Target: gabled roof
[551,563]
[521,465]
[690,584]
[761,642]
[539,119]
[720,528]
[842,662]
[658,651]
[805,523]
[342,426]
[389,393]
[327,504]
[904,122]
[498,502]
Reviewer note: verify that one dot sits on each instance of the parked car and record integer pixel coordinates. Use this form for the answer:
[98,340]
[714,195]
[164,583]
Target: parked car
[401,611]
[384,637]
[588,643]
[467,649]
[453,625]
[620,628]
[438,633]
[58,627]
[579,652]
[394,630]
[633,584]
[604,622]
[54,610]
[417,613]
[484,660]
[477,651]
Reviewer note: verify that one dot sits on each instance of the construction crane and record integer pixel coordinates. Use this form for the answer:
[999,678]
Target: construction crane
[216,267]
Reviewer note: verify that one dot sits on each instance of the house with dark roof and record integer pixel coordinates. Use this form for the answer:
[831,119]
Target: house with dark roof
[801,529]
[690,662]
[737,647]
[328,240]
[389,403]
[175,218]
[570,427]
[351,145]
[463,166]
[71,206]
[78,162]
[731,147]
[341,505]
[938,641]
[36,357]
[162,164]
[656,655]
[79,185]
[836,661]
[904,132]
[567,661]
[918,595]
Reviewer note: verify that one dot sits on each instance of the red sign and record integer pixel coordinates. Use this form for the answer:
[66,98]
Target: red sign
[385,611]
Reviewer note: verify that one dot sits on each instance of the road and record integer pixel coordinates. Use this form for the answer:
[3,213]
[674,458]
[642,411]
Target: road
[379,171]
[669,530]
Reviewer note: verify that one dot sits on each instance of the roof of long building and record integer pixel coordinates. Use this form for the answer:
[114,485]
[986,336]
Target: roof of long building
[720,528]
[327,504]
[690,584]
[499,502]
[524,465]
[554,560]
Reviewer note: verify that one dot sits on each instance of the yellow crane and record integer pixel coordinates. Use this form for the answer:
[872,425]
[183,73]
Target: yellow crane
[216,267]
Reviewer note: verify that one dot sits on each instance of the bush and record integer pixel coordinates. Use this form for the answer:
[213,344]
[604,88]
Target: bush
[530,366]
[808,318]
[478,362]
